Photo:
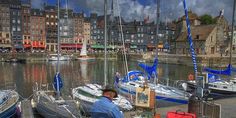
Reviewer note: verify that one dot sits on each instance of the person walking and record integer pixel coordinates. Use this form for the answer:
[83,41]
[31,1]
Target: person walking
[104,107]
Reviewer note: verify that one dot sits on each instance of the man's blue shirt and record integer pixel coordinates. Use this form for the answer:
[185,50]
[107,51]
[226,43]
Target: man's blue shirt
[104,105]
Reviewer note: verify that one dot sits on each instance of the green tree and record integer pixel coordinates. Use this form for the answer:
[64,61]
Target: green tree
[207,19]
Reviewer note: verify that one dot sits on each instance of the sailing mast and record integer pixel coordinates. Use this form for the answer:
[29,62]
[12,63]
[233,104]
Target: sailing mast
[105,42]
[58,49]
[157,31]
[232,35]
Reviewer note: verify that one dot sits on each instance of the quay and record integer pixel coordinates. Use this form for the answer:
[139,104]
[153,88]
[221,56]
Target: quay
[228,106]
[202,60]
[26,109]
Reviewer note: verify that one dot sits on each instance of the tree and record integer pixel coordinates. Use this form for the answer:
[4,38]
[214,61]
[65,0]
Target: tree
[207,19]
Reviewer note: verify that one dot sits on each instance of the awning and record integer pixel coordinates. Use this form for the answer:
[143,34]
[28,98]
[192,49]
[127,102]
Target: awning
[97,46]
[71,46]
[102,47]
[27,45]
[5,45]
[133,46]
[18,46]
[160,46]
[151,46]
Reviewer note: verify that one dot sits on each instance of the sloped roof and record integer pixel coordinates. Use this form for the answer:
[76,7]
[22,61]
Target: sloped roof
[202,31]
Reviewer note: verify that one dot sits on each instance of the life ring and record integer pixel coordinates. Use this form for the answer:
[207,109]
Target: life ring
[190,77]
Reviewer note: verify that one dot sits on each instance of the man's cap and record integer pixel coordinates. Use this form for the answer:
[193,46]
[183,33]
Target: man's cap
[110,88]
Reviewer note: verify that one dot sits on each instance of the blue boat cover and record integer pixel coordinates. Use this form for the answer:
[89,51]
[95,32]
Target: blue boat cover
[133,76]
[213,78]
[227,71]
[151,70]
[58,84]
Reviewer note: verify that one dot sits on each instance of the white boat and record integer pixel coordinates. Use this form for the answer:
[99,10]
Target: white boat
[165,95]
[8,103]
[83,53]
[53,57]
[217,87]
[90,93]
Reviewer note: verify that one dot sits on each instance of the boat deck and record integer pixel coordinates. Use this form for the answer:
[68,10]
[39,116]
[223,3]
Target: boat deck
[11,101]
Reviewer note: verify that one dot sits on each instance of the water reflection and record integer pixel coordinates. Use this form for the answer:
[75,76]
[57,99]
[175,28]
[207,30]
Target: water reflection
[74,73]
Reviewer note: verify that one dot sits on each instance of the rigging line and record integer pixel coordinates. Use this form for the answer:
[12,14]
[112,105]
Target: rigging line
[105,42]
[122,37]
[232,34]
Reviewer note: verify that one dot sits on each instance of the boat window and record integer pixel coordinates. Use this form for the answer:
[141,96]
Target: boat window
[210,85]
[132,84]
[214,85]
[88,94]
[225,87]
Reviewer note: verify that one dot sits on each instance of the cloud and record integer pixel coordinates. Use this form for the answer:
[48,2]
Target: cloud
[139,9]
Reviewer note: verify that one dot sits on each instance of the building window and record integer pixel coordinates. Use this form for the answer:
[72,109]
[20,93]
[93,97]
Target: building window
[197,36]
[47,16]
[18,21]
[13,29]
[13,21]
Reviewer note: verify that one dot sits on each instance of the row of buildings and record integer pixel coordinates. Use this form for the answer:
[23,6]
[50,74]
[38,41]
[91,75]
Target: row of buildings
[25,28]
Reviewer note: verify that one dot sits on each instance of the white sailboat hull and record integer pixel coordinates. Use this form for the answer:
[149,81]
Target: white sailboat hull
[92,92]
[53,57]
[165,95]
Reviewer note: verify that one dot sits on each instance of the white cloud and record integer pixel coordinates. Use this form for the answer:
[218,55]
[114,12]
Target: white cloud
[170,9]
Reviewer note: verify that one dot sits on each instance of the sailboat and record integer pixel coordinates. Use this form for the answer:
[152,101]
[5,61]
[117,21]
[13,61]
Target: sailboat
[217,85]
[165,95]
[8,103]
[83,53]
[50,103]
[90,93]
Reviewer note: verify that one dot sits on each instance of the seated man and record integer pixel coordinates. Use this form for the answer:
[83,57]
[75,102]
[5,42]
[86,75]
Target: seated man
[105,108]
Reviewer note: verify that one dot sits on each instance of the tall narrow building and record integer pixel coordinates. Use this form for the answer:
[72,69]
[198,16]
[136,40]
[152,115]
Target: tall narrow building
[5,33]
[78,19]
[66,30]
[25,15]
[38,34]
[16,24]
[51,27]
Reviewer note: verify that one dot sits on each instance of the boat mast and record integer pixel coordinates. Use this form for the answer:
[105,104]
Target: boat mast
[58,47]
[58,34]
[157,31]
[232,35]
[105,42]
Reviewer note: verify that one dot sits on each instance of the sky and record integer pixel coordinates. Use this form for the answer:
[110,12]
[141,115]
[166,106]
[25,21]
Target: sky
[140,9]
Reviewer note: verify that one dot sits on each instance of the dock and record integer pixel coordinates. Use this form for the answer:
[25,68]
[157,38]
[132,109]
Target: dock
[228,106]
[26,109]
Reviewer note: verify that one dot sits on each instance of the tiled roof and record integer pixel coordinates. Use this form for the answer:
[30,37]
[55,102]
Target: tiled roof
[202,31]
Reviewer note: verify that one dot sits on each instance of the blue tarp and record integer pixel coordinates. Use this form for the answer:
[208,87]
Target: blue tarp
[227,71]
[151,70]
[133,76]
[213,78]
[57,82]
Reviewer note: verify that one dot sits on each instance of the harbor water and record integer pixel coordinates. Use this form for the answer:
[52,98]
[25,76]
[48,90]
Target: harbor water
[74,73]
